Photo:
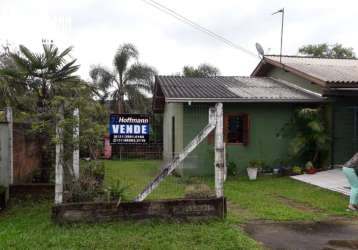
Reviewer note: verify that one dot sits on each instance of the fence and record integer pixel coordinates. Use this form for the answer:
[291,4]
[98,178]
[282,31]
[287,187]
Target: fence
[150,151]
[154,182]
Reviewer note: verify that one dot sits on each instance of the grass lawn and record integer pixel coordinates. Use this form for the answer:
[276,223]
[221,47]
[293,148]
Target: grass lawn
[27,225]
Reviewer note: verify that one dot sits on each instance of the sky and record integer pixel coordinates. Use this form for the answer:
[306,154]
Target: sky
[96,28]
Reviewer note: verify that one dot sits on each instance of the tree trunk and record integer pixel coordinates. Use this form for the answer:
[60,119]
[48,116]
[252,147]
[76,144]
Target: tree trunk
[42,108]
[120,105]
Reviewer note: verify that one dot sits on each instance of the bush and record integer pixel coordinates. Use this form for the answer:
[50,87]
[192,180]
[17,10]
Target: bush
[95,169]
[231,169]
[256,164]
[116,192]
[86,188]
[296,170]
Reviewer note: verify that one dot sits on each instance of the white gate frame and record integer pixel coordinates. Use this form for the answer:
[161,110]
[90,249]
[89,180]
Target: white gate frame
[215,122]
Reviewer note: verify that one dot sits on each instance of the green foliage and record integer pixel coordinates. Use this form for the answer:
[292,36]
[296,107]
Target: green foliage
[296,170]
[93,168]
[130,80]
[247,200]
[231,169]
[32,221]
[85,189]
[116,191]
[256,164]
[328,51]
[2,189]
[203,70]
[310,140]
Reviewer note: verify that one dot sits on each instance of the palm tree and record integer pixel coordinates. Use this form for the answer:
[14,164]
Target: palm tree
[41,77]
[127,80]
[42,74]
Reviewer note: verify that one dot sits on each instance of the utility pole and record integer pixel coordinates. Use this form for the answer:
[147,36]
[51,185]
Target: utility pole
[282,11]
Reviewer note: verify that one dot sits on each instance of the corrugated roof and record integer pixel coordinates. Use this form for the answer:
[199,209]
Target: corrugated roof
[233,89]
[331,71]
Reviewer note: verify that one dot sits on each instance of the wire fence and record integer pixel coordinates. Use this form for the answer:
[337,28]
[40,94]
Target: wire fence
[135,166]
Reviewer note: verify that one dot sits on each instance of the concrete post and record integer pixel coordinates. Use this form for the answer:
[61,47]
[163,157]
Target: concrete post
[219,152]
[9,120]
[59,158]
[76,149]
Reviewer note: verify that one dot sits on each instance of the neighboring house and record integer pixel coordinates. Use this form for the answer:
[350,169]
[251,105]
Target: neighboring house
[336,79]
[255,109]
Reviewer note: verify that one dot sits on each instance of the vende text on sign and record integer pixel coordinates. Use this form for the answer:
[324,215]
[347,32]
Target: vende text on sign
[129,129]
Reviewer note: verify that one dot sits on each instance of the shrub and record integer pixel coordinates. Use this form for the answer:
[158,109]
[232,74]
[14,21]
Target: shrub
[86,188]
[256,164]
[95,169]
[231,169]
[116,192]
[296,170]
[309,136]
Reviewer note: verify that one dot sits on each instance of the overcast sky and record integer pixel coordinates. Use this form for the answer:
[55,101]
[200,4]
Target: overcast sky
[96,28]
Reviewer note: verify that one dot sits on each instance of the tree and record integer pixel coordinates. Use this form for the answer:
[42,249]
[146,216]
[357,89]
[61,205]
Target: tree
[203,70]
[127,80]
[39,80]
[328,51]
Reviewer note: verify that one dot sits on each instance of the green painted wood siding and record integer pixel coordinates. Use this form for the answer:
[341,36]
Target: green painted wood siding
[279,73]
[266,120]
[345,135]
[172,110]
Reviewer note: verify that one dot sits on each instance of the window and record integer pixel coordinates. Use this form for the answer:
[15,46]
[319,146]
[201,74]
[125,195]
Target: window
[236,129]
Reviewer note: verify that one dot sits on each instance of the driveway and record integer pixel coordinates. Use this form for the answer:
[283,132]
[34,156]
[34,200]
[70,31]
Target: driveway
[334,234]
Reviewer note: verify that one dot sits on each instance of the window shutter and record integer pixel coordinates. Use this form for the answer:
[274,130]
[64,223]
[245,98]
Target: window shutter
[246,129]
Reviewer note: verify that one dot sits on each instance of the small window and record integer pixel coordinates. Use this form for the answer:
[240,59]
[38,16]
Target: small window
[235,130]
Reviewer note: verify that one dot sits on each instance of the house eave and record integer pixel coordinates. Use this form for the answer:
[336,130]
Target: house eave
[243,100]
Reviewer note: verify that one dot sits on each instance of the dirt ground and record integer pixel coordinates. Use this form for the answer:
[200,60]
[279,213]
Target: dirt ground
[327,235]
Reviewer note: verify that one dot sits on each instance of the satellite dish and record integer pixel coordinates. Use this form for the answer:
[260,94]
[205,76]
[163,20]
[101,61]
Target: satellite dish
[260,50]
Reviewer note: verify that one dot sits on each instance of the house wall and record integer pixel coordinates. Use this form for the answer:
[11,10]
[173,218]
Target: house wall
[266,120]
[339,117]
[172,110]
[287,76]
[345,129]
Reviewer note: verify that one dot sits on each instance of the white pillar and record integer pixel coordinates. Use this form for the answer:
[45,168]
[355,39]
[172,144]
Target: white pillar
[59,158]
[9,120]
[219,152]
[76,149]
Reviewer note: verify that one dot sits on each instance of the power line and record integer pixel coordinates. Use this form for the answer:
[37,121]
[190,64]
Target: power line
[196,26]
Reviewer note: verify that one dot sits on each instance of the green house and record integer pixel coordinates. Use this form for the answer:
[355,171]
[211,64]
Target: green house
[255,109]
[335,79]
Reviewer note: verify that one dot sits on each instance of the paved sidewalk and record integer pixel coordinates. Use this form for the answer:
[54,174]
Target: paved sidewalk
[333,180]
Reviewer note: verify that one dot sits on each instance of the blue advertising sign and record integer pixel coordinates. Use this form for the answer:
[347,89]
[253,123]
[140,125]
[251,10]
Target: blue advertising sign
[129,129]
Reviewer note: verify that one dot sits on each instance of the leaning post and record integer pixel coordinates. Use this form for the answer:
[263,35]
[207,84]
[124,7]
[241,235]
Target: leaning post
[219,152]
[76,149]
[59,157]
